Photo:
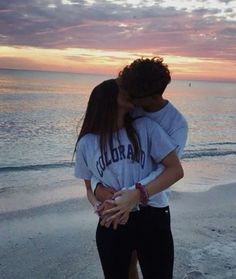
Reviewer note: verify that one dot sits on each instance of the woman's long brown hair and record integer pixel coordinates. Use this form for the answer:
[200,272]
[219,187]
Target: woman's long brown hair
[101,117]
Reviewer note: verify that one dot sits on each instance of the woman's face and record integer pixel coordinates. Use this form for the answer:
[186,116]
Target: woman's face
[124,101]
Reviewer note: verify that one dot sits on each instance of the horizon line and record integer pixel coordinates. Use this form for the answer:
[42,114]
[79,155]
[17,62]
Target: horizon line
[104,74]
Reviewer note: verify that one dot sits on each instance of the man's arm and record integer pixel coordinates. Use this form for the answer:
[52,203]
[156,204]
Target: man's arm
[127,200]
[151,180]
[179,139]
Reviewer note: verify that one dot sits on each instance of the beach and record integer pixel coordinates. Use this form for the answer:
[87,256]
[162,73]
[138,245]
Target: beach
[53,56]
[47,227]
[58,240]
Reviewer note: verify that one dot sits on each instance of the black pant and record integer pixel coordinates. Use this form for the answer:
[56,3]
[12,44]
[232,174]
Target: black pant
[148,232]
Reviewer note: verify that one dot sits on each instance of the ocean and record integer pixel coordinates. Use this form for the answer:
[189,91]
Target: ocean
[39,119]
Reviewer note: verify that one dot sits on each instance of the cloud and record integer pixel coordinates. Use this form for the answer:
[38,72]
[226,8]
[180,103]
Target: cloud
[120,25]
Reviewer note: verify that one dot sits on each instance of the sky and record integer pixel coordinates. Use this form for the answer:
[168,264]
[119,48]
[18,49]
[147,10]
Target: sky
[197,39]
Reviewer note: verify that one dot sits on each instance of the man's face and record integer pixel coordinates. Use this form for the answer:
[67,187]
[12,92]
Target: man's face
[125,100]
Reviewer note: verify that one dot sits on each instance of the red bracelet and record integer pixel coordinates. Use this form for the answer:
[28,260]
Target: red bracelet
[144,197]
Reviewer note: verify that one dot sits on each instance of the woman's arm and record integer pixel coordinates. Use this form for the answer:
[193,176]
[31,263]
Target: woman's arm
[128,199]
[90,195]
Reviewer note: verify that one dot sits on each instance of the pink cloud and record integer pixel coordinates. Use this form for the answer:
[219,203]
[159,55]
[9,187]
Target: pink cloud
[112,27]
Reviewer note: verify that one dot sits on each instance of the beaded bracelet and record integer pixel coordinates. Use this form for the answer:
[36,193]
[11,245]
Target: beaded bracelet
[144,197]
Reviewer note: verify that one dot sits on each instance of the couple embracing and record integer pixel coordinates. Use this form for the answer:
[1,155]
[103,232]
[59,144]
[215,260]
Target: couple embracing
[128,154]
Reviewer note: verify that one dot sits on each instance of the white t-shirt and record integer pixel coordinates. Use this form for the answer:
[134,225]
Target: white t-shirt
[172,121]
[176,127]
[116,167]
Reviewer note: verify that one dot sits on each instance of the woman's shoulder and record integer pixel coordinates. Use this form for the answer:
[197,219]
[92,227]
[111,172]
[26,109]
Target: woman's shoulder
[87,140]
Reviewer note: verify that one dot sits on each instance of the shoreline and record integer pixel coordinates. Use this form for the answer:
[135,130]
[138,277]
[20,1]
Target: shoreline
[31,189]
[58,240]
[80,201]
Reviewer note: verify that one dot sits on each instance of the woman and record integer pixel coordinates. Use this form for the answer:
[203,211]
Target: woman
[121,151]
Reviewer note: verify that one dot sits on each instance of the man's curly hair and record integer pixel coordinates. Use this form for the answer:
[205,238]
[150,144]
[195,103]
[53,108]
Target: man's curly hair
[145,77]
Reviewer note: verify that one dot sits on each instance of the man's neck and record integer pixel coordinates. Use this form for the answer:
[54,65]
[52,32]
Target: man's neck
[155,106]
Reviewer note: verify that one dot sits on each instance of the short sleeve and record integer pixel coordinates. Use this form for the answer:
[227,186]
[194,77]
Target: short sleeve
[179,137]
[160,143]
[81,166]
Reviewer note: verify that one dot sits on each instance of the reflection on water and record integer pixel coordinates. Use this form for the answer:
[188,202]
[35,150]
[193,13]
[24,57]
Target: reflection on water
[19,81]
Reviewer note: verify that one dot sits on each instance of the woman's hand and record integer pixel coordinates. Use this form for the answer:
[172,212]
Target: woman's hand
[124,201]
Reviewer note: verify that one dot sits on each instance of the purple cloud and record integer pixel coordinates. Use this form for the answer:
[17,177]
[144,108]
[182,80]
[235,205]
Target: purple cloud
[105,25]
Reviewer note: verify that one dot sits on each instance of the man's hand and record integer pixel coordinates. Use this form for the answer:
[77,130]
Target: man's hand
[125,201]
[106,205]
[103,193]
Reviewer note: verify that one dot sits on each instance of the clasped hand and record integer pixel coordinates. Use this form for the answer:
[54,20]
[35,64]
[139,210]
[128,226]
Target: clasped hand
[116,210]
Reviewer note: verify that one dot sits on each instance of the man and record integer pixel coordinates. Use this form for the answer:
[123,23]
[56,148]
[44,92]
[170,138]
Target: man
[145,81]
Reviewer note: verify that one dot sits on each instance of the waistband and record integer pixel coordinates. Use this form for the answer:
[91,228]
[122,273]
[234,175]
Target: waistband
[146,208]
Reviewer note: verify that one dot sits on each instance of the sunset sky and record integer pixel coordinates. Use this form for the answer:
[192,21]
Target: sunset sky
[196,38]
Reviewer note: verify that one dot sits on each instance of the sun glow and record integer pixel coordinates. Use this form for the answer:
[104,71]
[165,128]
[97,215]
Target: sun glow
[108,62]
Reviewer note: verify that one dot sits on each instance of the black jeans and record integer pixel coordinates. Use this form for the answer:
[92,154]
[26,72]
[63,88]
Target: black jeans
[148,232]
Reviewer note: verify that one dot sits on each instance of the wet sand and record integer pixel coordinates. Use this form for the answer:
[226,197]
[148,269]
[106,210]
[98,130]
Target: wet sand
[58,240]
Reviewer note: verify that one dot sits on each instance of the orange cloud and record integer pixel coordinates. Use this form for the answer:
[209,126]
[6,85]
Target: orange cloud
[197,39]
[110,62]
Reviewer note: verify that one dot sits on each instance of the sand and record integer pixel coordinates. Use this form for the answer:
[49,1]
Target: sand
[58,240]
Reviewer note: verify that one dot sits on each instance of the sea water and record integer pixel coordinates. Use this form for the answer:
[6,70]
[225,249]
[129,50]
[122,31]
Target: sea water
[40,115]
